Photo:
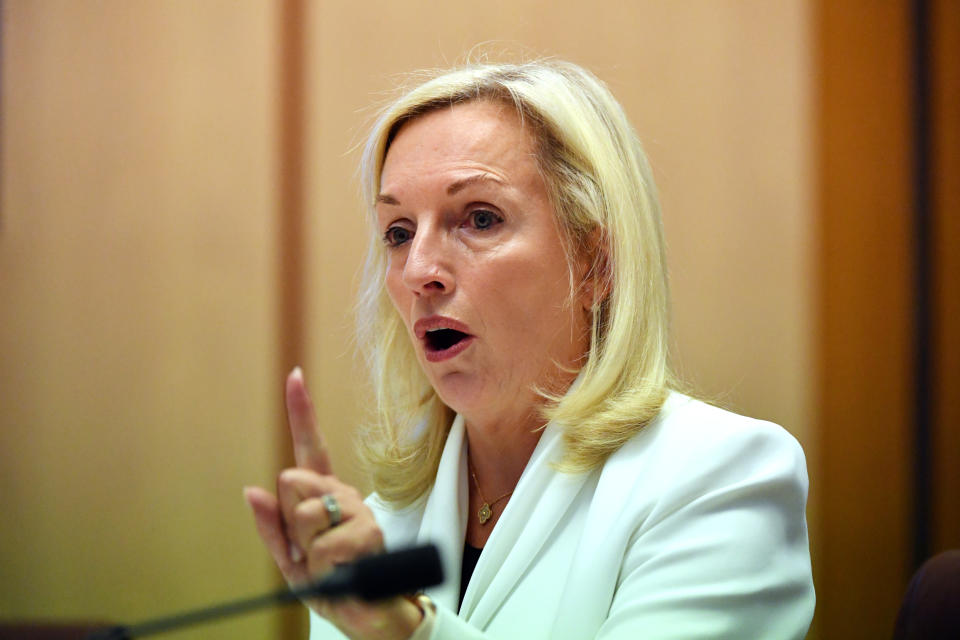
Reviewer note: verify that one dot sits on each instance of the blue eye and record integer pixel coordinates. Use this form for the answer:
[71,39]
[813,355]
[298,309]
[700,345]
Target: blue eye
[483,219]
[396,236]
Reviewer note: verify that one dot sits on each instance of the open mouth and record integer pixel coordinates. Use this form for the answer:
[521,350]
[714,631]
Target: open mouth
[443,339]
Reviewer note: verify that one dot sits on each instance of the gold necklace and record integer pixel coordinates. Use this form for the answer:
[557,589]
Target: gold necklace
[486,509]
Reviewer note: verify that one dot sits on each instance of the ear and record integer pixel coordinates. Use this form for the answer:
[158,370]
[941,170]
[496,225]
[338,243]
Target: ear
[596,269]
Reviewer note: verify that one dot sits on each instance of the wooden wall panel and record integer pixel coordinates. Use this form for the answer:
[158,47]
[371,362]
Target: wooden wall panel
[865,301]
[945,75]
[291,302]
[137,326]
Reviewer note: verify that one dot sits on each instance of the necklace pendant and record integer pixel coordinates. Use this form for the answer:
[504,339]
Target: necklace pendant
[485,513]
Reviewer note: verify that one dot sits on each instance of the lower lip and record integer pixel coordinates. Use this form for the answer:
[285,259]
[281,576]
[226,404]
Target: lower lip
[451,352]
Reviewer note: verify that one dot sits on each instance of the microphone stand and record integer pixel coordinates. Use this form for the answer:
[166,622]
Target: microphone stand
[370,578]
[197,616]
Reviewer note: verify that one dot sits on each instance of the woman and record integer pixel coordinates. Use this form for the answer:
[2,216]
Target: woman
[525,421]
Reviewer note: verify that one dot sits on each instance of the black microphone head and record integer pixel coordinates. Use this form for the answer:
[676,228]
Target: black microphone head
[398,572]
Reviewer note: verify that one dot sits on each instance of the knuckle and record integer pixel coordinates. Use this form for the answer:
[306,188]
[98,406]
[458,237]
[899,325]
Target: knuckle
[318,547]
[287,478]
[320,553]
[305,511]
[376,538]
[369,537]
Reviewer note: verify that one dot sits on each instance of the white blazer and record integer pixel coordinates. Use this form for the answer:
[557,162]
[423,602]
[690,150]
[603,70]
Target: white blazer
[695,528]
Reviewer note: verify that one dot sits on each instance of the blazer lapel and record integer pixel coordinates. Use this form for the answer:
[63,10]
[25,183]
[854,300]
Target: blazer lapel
[445,516]
[541,499]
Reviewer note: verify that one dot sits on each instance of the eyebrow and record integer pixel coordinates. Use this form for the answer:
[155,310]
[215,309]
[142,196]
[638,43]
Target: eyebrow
[453,189]
[463,183]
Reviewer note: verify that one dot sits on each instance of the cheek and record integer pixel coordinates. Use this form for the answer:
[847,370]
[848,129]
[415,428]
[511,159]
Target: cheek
[532,297]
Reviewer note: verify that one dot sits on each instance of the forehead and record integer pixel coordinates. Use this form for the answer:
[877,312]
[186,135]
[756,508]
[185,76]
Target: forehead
[481,134]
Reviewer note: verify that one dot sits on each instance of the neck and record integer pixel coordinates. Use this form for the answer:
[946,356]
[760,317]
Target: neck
[499,456]
[501,443]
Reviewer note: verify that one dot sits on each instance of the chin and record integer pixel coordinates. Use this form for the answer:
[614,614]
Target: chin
[460,391]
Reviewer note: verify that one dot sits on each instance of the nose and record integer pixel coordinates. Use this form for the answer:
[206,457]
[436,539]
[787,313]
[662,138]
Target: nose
[427,270]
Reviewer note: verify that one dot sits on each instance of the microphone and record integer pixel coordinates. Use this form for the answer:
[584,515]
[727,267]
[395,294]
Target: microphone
[382,576]
[370,578]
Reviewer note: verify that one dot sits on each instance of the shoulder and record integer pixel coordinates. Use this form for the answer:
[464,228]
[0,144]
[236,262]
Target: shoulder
[704,501]
[693,449]
[690,435]
[683,418]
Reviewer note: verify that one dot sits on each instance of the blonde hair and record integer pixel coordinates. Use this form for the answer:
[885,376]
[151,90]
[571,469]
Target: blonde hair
[602,189]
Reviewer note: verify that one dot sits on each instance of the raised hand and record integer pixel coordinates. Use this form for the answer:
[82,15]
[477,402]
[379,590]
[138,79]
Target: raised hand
[316,522]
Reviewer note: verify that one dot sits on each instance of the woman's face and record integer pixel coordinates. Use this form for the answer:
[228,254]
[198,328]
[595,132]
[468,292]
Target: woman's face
[476,267]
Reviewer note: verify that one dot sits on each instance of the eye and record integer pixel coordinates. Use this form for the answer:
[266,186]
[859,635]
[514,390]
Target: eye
[483,219]
[396,236]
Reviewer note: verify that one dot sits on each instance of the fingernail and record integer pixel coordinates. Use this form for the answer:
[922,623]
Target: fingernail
[295,554]
[297,372]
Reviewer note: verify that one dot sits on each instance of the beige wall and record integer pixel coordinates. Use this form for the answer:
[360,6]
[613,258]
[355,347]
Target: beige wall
[137,253]
[136,306]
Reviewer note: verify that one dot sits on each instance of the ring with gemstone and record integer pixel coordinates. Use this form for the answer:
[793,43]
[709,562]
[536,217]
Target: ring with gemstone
[333,510]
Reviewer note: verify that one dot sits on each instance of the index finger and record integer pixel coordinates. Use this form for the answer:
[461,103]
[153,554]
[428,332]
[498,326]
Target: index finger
[309,450]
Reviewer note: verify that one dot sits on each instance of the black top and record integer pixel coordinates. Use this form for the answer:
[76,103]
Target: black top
[470,557]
